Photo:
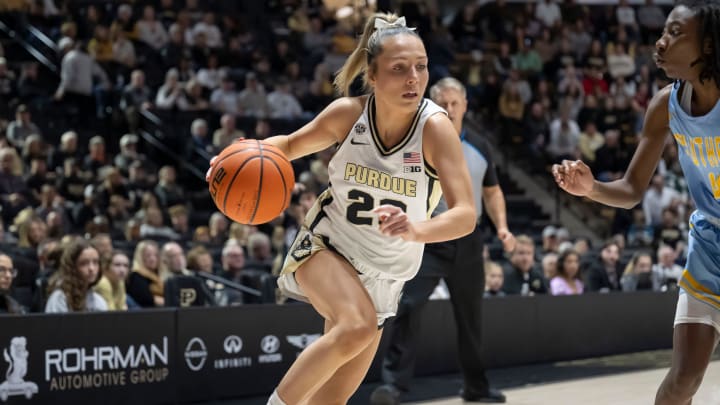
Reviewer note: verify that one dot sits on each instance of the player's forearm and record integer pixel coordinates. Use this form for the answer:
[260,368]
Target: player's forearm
[281,142]
[619,193]
[451,224]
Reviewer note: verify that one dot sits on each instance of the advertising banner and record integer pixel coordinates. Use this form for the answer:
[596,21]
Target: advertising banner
[240,351]
[110,358]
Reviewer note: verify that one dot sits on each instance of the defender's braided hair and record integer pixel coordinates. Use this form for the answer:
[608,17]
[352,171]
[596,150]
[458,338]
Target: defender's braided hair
[708,15]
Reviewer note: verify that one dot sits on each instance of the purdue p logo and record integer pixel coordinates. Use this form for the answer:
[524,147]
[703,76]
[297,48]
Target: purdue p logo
[187,297]
[303,249]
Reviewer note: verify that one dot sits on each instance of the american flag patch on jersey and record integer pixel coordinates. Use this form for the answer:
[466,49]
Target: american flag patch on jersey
[411,157]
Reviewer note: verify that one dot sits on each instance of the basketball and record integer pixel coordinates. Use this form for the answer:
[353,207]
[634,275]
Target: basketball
[251,182]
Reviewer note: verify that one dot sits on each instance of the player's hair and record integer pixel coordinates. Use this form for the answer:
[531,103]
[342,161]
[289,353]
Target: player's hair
[447,83]
[708,14]
[369,47]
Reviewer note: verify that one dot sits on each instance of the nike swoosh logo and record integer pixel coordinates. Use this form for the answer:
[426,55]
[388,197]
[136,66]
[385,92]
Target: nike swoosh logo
[354,142]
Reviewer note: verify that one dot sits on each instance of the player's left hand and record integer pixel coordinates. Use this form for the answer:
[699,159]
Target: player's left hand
[507,239]
[395,222]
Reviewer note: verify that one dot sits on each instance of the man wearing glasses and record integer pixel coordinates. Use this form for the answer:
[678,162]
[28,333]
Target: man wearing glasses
[7,274]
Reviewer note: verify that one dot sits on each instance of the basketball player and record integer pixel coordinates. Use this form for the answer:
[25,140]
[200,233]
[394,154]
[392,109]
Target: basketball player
[689,109]
[460,263]
[366,233]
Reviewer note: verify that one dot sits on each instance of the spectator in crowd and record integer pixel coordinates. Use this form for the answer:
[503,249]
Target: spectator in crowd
[115,268]
[151,31]
[260,256]
[102,242]
[200,260]
[224,99]
[567,281]
[521,277]
[168,192]
[227,133]
[210,30]
[173,261]
[548,13]
[611,158]
[136,97]
[620,63]
[638,274]
[564,137]
[71,289]
[97,157]
[211,74]
[233,260]
[218,226]
[493,280]
[549,239]
[123,51]
[590,141]
[68,149]
[668,231]
[282,103]
[658,197]
[666,271]
[180,222]
[78,72]
[169,93]
[8,305]
[604,275]
[128,153]
[22,127]
[191,98]
[145,283]
[153,226]
[549,265]
[651,20]
[253,100]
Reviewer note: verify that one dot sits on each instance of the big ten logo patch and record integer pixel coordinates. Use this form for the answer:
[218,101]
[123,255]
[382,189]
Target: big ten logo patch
[412,169]
[360,128]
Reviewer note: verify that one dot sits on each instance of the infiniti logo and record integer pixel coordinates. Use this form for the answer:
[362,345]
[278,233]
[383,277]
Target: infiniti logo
[270,344]
[195,354]
[232,344]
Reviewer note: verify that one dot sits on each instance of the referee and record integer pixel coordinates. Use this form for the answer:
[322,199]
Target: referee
[460,263]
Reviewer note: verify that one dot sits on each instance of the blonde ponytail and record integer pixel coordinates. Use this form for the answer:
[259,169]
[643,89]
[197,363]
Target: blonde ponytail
[367,50]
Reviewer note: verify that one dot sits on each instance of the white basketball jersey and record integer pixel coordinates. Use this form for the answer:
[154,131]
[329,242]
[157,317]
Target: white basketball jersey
[365,174]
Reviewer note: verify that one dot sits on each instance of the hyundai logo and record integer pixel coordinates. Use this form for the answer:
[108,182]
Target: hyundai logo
[232,344]
[270,344]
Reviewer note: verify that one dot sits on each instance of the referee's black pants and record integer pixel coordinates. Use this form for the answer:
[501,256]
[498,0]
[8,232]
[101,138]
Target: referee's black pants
[460,263]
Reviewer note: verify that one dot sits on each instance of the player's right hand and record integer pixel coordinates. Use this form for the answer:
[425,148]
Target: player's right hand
[574,176]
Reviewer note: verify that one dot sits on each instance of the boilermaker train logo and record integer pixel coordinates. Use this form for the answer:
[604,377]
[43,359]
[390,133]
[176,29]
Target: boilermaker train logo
[16,371]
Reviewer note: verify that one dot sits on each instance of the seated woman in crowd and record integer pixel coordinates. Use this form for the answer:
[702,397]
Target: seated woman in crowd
[145,283]
[638,274]
[567,281]
[71,288]
[111,286]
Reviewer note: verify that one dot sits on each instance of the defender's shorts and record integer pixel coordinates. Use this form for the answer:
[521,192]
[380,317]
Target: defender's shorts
[384,292]
[692,310]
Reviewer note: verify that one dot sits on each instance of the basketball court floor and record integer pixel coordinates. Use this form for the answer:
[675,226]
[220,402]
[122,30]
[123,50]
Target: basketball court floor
[625,379]
[633,388]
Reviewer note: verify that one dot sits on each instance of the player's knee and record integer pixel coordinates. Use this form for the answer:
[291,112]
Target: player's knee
[352,337]
[684,383]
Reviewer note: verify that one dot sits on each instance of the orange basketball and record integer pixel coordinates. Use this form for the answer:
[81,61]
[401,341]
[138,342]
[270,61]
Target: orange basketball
[251,182]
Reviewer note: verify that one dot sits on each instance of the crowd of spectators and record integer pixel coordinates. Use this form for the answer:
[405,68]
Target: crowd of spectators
[90,208]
